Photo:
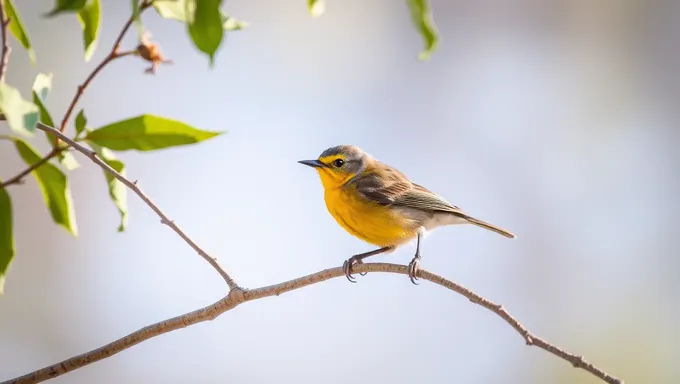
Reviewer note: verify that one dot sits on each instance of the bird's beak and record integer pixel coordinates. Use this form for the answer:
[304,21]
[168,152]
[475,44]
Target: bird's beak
[312,163]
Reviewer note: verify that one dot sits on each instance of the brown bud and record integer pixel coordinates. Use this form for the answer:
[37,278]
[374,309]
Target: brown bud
[151,52]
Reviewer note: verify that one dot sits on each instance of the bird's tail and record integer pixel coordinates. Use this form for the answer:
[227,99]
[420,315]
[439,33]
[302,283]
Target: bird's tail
[490,227]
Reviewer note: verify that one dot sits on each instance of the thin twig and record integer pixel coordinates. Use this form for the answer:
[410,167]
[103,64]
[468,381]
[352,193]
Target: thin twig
[4,23]
[239,296]
[113,55]
[57,150]
[135,188]
[18,179]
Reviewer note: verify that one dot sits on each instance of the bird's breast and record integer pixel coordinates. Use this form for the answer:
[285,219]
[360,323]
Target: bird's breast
[374,223]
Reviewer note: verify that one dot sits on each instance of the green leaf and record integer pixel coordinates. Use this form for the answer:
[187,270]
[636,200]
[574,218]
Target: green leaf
[147,133]
[45,118]
[41,87]
[54,186]
[66,6]
[21,115]
[43,84]
[205,27]
[135,10]
[6,236]
[117,190]
[136,14]
[421,16]
[90,16]
[182,10]
[316,7]
[16,26]
[231,24]
[81,122]
[174,10]
[68,161]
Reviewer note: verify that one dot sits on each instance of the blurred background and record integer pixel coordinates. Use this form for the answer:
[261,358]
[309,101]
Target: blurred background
[554,119]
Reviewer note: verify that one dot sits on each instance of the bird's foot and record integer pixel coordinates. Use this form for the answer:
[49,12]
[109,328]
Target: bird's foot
[413,268]
[347,268]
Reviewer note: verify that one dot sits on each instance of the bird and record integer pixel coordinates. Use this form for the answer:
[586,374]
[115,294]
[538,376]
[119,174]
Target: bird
[380,205]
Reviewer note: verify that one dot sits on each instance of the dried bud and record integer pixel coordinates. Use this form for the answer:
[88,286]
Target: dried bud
[151,52]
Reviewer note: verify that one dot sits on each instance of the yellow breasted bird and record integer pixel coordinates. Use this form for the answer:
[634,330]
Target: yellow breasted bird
[381,206]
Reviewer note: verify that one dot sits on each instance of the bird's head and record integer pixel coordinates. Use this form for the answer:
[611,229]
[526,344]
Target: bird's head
[337,165]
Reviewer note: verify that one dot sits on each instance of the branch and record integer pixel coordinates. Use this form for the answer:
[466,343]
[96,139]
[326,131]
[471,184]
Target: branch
[133,186]
[239,296]
[113,55]
[236,295]
[18,179]
[4,23]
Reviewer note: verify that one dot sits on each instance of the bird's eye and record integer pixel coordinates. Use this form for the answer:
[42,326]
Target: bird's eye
[339,162]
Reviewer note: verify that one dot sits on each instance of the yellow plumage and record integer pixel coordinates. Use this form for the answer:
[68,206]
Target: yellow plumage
[367,220]
[380,205]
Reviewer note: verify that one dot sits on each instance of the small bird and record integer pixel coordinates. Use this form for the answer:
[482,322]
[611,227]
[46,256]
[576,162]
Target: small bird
[381,206]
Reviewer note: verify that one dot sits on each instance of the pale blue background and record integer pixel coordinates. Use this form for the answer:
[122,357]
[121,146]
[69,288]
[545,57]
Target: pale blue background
[556,120]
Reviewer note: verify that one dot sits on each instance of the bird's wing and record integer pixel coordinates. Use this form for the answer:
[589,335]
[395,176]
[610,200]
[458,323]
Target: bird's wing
[393,188]
[382,184]
[422,198]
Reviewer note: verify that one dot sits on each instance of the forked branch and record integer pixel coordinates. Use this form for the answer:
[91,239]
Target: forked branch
[236,295]
[132,185]
[239,295]
[113,55]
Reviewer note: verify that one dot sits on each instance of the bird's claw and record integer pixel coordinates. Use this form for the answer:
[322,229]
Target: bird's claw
[413,268]
[347,268]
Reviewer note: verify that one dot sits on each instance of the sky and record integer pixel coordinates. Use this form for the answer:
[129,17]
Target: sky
[555,120]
